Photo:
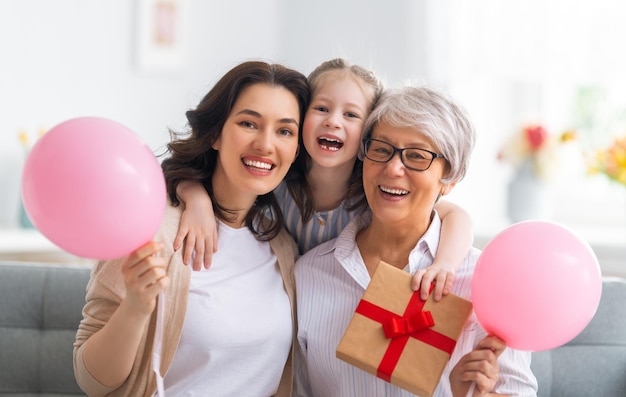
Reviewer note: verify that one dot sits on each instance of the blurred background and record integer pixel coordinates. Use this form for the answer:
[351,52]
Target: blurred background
[543,81]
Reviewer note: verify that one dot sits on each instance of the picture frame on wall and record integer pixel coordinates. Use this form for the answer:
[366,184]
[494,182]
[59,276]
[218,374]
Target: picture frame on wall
[161,37]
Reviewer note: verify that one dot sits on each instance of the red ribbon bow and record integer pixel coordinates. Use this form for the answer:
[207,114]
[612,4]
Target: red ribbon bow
[401,326]
[397,343]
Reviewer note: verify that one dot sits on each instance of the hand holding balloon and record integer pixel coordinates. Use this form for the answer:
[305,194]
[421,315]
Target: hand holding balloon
[145,276]
[536,286]
[93,188]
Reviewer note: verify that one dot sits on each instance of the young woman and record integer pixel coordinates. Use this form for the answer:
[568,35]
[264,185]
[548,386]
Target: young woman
[229,330]
[323,191]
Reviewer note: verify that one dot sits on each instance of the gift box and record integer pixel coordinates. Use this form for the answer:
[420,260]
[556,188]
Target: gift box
[400,338]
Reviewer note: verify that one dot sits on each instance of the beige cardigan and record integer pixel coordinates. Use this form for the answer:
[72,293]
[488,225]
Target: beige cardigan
[106,290]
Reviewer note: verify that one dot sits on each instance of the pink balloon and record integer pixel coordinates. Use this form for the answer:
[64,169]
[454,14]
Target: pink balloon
[536,286]
[93,188]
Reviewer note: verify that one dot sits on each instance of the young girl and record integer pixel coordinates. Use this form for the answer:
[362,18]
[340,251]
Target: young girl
[229,330]
[323,191]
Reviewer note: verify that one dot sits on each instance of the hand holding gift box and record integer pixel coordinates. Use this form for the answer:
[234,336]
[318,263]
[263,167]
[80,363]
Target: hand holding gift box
[400,338]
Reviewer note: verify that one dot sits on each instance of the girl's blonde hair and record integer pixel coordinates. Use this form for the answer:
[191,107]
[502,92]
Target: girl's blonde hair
[364,76]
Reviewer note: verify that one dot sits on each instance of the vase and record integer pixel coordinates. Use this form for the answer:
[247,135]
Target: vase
[24,220]
[528,196]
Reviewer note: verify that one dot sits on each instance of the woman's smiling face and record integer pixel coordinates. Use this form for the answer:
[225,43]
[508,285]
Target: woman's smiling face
[258,142]
[394,192]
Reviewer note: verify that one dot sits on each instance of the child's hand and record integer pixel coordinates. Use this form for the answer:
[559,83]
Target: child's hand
[145,275]
[441,275]
[198,231]
[479,366]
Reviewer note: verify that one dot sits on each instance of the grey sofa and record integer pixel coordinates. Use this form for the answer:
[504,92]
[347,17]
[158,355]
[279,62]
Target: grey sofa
[40,308]
[594,363]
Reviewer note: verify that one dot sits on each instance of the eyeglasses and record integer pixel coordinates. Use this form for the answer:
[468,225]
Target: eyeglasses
[413,158]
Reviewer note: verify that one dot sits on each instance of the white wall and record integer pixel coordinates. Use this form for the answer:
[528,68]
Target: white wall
[387,37]
[69,58]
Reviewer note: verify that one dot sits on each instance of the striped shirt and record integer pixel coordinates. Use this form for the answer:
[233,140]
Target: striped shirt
[322,226]
[331,280]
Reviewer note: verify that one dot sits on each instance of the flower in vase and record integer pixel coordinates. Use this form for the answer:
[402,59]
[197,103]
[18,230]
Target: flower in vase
[611,161]
[533,149]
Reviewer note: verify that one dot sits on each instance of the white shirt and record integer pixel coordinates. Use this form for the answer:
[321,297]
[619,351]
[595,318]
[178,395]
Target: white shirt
[330,281]
[238,329]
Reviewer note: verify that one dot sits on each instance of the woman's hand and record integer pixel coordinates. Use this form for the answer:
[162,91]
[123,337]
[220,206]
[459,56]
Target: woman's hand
[145,275]
[441,275]
[109,354]
[479,366]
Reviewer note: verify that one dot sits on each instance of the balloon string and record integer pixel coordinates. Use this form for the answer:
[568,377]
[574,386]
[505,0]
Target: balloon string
[158,345]
[470,392]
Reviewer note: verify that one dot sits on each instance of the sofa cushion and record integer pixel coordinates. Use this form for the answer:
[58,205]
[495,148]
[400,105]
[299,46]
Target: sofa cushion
[40,308]
[593,363]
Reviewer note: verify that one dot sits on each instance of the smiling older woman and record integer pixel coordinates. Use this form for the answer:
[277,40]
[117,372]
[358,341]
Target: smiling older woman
[416,148]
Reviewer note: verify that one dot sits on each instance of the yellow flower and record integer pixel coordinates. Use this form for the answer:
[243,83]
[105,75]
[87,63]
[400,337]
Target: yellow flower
[23,137]
[568,136]
[611,161]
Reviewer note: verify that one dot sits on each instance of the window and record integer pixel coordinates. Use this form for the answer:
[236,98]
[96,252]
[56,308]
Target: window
[558,63]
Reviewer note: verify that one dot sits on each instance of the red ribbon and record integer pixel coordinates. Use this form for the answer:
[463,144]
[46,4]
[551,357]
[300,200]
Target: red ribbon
[401,326]
[412,324]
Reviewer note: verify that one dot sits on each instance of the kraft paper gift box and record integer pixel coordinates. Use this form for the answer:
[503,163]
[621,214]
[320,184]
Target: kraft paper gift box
[400,338]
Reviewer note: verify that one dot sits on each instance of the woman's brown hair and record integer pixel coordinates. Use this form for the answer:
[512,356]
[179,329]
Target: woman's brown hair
[191,156]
